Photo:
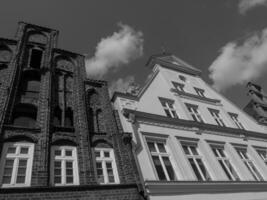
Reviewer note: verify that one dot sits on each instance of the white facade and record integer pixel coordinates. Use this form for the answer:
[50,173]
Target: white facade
[190,141]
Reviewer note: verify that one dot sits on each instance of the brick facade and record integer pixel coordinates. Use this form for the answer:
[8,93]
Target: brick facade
[70,110]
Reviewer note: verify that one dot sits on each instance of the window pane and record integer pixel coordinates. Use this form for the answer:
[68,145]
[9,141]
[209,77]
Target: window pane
[69,164]
[9,162]
[185,148]
[57,164]
[6,179]
[232,170]
[169,168]
[69,179]
[8,171]
[57,179]
[106,154]
[111,179]
[24,150]
[167,113]
[57,152]
[20,179]
[203,169]
[11,150]
[195,169]
[215,152]
[159,168]
[161,147]
[68,152]
[97,154]
[151,147]
[194,150]
[225,170]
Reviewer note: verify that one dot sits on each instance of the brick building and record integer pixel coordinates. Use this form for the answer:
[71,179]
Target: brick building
[59,135]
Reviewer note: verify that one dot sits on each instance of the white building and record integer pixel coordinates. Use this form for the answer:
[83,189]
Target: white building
[189,140]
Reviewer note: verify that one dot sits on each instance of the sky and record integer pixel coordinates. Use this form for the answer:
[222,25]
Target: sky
[226,39]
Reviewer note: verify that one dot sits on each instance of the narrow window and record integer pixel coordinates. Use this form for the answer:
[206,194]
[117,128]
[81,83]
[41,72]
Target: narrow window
[169,109]
[161,160]
[200,92]
[225,163]
[193,110]
[16,164]
[234,118]
[242,152]
[196,162]
[106,168]
[57,116]
[69,117]
[216,116]
[263,154]
[25,115]
[64,166]
[36,58]
[178,86]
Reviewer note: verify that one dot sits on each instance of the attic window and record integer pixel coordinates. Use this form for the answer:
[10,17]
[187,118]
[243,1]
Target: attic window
[182,78]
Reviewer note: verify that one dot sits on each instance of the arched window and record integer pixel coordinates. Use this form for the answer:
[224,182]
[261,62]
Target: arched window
[69,117]
[25,115]
[16,164]
[64,166]
[57,116]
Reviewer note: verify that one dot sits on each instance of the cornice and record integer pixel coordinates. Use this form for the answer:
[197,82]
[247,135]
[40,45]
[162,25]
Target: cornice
[192,125]
[194,187]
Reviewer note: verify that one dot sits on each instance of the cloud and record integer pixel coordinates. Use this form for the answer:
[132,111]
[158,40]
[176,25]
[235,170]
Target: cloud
[245,5]
[240,62]
[121,85]
[115,51]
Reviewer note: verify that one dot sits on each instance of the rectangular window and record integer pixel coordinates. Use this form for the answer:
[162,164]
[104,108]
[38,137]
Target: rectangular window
[193,110]
[200,92]
[196,161]
[234,118]
[178,86]
[225,163]
[216,116]
[169,109]
[242,152]
[16,164]
[64,166]
[106,168]
[36,58]
[161,160]
[263,154]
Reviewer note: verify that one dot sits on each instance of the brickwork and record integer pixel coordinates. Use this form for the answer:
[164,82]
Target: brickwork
[69,110]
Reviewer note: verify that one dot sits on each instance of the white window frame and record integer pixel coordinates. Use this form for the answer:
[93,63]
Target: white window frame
[224,159]
[17,156]
[179,86]
[194,112]
[234,118]
[262,152]
[245,157]
[168,106]
[200,92]
[217,117]
[104,160]
[191,155]
[160,155]
[63,159]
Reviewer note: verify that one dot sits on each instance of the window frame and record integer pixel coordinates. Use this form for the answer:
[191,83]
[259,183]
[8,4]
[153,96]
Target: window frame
[169,107]
[103,161]
[234,118]
[191,155]
[194,112]
[17,156]
[247,161]
[217,117]
[63,159]
[160,155]
[224,159]
[200,92]
[259,150]
[179,86]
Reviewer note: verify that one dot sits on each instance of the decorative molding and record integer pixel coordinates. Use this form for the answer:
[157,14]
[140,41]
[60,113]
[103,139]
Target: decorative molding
[195,187]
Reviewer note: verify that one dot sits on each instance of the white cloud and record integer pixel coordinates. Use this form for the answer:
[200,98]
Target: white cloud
[240,62]
[121,85]
[115,51]
[245,5]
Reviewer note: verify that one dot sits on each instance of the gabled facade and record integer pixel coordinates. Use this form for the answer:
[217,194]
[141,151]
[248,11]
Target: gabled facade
[189,140]
[59,135]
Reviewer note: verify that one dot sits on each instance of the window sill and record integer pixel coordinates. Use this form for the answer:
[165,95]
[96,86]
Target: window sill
[193,187]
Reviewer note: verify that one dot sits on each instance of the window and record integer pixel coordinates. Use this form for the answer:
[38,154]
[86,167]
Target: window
[16,164]
[193,110]
[25,115]
[64,166]
[263,154]
[234,118]
[195,160]
[225,163]
[200,92]
[106,168]
[169,109]
[249,164]
[182,78]
[216,116]
[36,58]
[179,86]
[161,160]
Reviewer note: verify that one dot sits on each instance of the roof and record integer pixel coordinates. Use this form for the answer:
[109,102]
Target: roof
[173,62]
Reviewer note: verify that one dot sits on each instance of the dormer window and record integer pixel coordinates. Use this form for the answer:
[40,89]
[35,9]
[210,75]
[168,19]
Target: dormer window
[200,92]
[169,109]
[178,86]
